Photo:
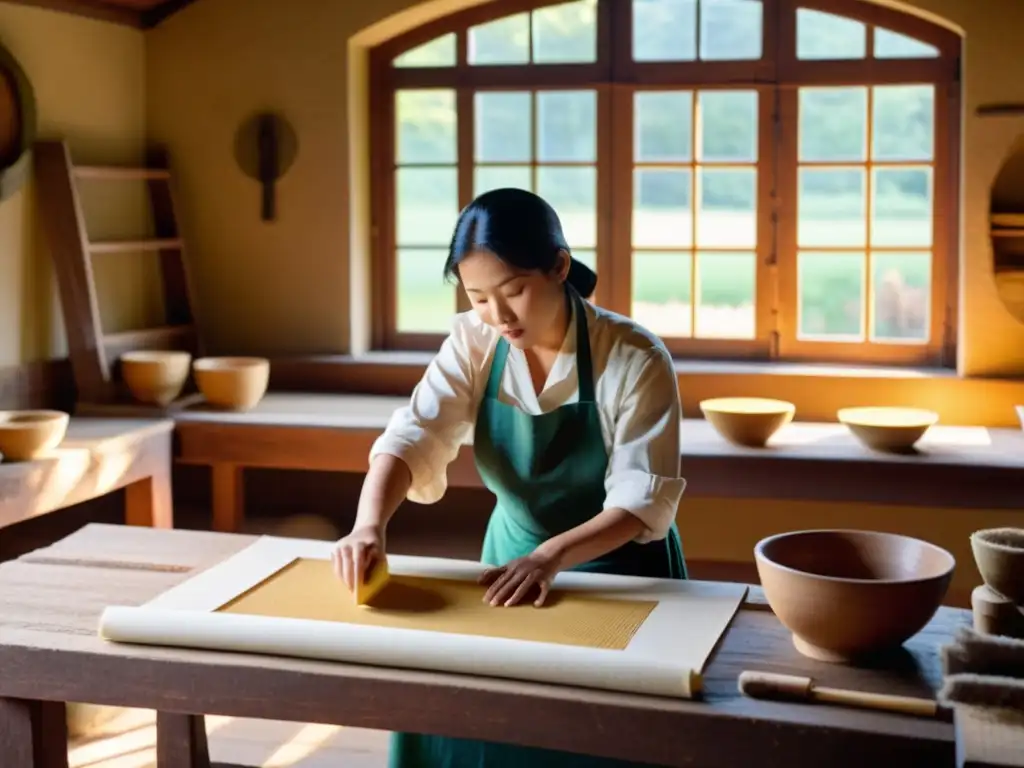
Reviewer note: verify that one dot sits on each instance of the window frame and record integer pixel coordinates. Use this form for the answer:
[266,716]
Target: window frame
[614,76]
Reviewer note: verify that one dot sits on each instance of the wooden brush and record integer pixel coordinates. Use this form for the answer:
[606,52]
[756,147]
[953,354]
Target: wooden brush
[768,685]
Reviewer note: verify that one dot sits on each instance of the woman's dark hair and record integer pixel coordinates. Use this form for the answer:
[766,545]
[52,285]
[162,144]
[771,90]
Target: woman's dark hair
[519,228]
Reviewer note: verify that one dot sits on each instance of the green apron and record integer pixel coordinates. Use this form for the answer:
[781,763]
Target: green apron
[548,474]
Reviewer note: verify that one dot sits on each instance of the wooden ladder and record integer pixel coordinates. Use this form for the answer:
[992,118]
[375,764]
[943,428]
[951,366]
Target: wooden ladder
[94,354]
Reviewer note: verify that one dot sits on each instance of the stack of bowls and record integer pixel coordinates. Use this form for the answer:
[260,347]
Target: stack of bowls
[998,604]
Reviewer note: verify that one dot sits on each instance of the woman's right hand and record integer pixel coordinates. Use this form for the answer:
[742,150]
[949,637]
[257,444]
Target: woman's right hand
[354,554]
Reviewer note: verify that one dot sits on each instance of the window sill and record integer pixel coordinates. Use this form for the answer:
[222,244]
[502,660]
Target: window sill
[817,389]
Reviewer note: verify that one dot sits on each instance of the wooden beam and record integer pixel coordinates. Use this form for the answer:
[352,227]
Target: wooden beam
[154,16]
[90,9]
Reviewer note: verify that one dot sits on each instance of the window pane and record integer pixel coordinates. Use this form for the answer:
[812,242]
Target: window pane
[901,211]
[504,126]
[664,30]
[831,296]
[730,30]
[425,303]
[427,205]
[892,45]
[572,192]
[725,295]
[662,126]
[832,207]
[903,122]
[662,208]
[901,288]
[833,124]
[503,41]
[728,126]
[727,214]
[586,256]
[426,126]
[662,292]
[567,126]
[498,176]
[565,33]
[439,52]
[827,36]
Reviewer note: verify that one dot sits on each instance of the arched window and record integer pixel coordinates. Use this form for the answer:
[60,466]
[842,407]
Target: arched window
[767,179]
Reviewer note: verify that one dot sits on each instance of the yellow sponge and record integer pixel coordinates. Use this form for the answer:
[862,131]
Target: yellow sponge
[374,580]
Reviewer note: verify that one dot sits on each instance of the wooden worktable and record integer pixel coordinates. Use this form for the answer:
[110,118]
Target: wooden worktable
[968,467]
[97,456]
[51,600]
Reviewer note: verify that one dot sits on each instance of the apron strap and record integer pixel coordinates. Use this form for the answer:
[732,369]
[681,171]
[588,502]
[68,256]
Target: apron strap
[497,369]
[584,361]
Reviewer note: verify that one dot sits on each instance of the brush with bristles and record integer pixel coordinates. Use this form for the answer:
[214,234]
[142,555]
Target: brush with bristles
[982,690]
[983,670]
[982,654]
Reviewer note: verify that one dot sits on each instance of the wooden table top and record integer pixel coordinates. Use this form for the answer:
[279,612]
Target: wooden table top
[51,600]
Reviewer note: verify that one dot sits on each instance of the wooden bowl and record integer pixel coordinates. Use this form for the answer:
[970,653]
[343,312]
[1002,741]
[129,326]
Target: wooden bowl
[27,435]
[999,555]
[847,594]
[888,429]
[747,421]
[155,378]
[232,383]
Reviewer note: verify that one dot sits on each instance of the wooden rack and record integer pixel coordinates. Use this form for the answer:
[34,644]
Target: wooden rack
[94,353]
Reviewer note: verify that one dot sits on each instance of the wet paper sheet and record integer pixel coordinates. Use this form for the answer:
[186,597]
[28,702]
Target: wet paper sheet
[307,589]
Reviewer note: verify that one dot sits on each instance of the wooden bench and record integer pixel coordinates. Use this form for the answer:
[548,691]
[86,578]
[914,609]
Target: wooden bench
[98,456]
[50,654]
[965,467]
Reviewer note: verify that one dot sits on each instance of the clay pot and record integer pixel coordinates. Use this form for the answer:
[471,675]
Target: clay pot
[847,594]
[232,383]
[155,378]
[894,430]
[27,435]
[747,421]
[999,554]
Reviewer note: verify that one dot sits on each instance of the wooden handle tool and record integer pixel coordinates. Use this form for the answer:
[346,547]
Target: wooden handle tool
[768,685]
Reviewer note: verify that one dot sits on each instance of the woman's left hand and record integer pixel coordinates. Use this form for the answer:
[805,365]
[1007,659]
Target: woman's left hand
[512,582]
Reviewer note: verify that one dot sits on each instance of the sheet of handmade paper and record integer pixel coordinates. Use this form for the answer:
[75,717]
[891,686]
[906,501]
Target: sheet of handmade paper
[308,589]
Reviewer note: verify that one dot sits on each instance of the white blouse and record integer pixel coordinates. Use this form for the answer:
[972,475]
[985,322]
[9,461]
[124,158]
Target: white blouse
[635,388]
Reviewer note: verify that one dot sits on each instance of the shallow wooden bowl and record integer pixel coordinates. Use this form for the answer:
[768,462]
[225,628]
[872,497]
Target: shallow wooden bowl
[747,421]
[27,435]
[999,555]
[155,377]
[232,383]
[888,429]
[847,594]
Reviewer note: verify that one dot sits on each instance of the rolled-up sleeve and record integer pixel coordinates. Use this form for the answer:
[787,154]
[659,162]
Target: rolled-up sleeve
[427,433]
[643,475]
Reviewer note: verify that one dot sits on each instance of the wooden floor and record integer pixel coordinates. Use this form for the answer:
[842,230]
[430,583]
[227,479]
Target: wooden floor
[129,741]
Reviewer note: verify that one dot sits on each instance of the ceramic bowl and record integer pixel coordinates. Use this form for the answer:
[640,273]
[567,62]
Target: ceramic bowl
[27,435]
[999,555]
[848,594]
[155,377]
[232,383]
[747,421]
[888,429]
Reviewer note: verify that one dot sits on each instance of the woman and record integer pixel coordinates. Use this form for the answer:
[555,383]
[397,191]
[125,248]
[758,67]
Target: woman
[574,413]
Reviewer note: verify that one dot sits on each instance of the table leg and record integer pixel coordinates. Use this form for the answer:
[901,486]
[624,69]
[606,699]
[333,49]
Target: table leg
[181,741]
[149,503]
[228,492]
[33,734]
